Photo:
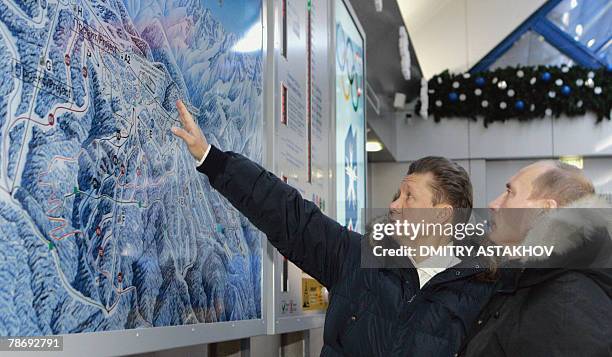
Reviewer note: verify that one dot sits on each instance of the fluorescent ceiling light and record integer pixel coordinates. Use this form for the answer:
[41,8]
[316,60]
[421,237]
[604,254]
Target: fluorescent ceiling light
[374,146]
[573,160]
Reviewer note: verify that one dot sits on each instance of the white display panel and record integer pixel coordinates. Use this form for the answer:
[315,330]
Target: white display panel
[108,234]
[302,144]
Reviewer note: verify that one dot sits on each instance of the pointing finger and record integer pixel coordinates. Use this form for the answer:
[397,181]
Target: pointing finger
[185,116]
[181,133]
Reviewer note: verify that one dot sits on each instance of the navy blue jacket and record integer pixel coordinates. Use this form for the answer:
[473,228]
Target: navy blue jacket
[372,312]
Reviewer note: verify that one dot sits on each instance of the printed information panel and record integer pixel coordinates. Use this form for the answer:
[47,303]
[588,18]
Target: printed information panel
[303,124]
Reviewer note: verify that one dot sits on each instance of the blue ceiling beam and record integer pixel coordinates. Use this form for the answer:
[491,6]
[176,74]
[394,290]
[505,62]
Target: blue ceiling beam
[563,42]
[602,44]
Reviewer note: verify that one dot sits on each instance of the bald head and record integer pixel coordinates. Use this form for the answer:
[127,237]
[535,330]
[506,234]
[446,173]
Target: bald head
[559,181]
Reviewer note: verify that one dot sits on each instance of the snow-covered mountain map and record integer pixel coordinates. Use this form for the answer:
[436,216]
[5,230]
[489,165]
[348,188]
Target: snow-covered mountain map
[105,224]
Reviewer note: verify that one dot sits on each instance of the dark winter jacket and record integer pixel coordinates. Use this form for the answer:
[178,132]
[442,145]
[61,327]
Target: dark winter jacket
[370,309]
[561,306]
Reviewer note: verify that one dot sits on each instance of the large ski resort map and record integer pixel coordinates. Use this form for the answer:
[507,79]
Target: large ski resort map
[104,222]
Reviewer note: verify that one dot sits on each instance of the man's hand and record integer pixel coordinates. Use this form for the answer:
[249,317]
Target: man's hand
[191,134]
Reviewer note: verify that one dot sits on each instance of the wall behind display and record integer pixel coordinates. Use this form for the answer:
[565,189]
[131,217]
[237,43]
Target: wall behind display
[464,139]
[491,154]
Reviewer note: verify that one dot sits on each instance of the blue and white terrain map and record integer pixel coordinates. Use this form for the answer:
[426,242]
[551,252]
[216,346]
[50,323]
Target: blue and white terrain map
[105,224]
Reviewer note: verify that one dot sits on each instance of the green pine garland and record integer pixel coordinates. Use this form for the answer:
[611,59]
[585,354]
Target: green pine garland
[528,93]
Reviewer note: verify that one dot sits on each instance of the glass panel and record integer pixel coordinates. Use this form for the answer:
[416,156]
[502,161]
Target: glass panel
[532,50]
[587,21]
[350,121]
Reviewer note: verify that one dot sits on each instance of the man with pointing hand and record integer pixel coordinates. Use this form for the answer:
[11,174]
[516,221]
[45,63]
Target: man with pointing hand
[370,310]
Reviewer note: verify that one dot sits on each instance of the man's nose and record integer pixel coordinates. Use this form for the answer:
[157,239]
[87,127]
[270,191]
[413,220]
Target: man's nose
[495,204]
[394,205]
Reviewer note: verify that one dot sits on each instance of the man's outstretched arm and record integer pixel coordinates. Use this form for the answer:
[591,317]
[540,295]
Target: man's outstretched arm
[295,226]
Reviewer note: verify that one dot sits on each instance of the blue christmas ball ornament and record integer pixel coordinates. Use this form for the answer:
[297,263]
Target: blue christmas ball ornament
[480,81]
[566,90]
[519,104]
[452,96]
[545,76]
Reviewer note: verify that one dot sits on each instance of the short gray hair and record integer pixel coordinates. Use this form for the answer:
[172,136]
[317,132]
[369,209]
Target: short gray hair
[563,182]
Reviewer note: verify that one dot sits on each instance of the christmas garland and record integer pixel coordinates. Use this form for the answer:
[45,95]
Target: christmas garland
[521,93]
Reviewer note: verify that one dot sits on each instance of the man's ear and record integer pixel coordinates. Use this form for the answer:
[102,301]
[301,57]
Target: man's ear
[444,212]
[550,203]
[546,205]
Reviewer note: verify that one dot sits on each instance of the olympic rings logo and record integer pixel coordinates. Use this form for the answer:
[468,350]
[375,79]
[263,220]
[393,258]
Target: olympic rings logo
[350,63]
